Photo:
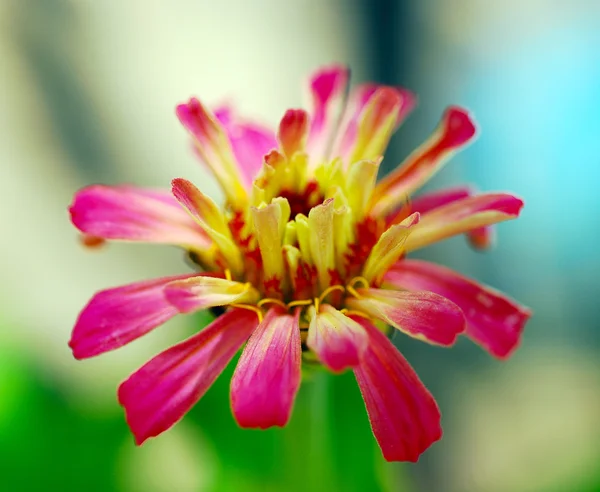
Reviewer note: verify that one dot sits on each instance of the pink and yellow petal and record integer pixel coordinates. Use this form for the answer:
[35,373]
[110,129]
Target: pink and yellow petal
[115,317]
[360,98]
[267,377]
[388,249]
[214,148]
[454,132]
[328,88]
[377,124]
[211,220]
[135,214]
[494,321]
[202,292]
[162,391]
[463,216]
[423,315]
[338,341]
[293,132]
[250,142]
[479,238]
[404,416]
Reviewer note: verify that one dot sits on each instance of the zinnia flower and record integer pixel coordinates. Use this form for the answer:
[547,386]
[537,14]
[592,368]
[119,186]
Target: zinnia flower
[305,261]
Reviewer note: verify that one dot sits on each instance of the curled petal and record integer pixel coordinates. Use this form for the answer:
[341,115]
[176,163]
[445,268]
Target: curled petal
[115,317]
[404,416]
[423,315]
[328,88]
[455,130]
[214,148]
[250,142]
[267,377]
[163,390]
[201,292]
[493,319]
[338,341]
[135,214]
[462,216]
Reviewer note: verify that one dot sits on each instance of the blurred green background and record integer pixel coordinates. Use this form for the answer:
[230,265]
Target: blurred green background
[88,91]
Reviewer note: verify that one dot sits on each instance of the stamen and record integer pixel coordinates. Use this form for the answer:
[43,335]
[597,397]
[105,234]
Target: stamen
[270,300]
[317,302]
[305,302]
[357,280]
[353,292]
[227,274]
[361,280]
[350,312]
[250,308]
[331,289]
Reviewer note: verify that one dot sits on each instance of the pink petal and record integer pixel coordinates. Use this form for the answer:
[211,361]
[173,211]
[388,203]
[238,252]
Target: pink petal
[434,199]
[462,216]
[135,214]
[403,414]
[162,391]
[480,238]
[359,98]
[250,142]
[338,341]
[293,130]
[267,377]
[115,317]
[493,320]
[454,131]
[424,315]
[328,88]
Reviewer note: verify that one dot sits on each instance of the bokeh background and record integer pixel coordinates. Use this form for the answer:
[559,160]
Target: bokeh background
[88,90]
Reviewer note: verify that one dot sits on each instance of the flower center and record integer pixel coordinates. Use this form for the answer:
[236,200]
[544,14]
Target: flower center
[302,201]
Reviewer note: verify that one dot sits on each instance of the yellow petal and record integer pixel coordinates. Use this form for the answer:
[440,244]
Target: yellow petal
[360,182]
[269,224]
[388,249]
[320,225]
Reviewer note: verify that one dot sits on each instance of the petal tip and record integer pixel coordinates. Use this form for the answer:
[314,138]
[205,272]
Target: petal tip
[459,126]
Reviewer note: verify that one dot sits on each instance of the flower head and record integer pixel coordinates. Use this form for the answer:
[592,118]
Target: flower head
[307,258]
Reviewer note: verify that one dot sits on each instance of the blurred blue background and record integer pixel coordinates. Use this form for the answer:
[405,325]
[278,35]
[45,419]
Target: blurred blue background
[88,91]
